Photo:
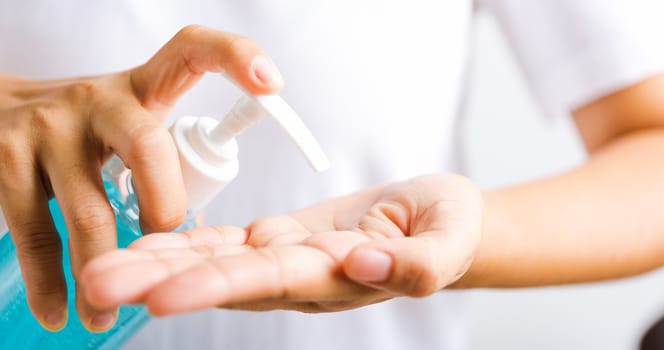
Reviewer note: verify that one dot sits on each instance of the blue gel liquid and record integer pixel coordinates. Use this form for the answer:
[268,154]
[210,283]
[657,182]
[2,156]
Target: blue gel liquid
[20,330]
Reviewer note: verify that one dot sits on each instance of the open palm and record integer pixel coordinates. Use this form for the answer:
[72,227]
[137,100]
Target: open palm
[408,238]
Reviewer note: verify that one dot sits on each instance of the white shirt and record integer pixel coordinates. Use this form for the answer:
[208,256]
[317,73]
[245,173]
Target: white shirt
[378,82]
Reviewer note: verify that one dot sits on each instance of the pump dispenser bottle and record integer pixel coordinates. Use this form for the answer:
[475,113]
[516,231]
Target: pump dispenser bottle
[208,158]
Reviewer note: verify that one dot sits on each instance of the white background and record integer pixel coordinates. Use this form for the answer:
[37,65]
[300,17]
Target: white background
[508,139]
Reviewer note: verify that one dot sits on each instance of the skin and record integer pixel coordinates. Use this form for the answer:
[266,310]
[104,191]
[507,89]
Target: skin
[599,221]
[308,261]
[57,134]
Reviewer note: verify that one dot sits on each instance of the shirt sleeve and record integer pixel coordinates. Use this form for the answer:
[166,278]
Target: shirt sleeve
[575,51]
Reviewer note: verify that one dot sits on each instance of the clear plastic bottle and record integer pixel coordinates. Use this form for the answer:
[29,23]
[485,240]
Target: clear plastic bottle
[208,157]
[20,330]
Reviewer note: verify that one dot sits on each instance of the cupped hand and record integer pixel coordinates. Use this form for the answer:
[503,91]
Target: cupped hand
[410,238]
[57,134]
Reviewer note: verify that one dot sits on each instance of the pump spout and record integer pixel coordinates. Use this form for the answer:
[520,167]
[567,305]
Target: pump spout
[249,109]
[208,150]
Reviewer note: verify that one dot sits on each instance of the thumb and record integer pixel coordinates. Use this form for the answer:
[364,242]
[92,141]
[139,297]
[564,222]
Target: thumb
[416,266]
[192,52]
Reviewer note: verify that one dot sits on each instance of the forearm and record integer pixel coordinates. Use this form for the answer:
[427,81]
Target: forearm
[603,220]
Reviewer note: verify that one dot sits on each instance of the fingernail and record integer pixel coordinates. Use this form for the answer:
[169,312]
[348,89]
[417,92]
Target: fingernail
[265,71]
[102,322]
[55,321]
[370,266]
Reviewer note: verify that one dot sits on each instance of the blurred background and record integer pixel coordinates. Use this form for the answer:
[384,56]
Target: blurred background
[508,138]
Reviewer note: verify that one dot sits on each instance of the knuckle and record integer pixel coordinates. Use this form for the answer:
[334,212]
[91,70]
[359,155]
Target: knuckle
[81,90]
[44,117]
[167,218]
[190,32]
[13,155]
[238,44]
[39,243]
[41,287]
[271,222]
[89,219]
[262,231]
[146,140]
[380,223]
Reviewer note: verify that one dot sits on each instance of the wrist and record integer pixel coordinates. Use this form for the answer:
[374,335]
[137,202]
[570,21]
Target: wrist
[487,267]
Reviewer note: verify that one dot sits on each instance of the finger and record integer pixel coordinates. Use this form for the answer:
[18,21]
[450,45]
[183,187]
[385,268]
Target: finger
[124,276]
[38,245]
[306,273]
[195,50]
[283,272]
[276,230]
[147,148]
[433,226]
[415,266]
[77,185]
[199,236]
[340,213]
[135,266]
[200,239]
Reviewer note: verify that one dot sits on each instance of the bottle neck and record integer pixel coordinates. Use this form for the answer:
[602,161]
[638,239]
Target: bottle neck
[121,194]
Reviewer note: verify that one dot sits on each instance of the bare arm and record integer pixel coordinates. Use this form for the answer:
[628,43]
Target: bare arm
[602,220]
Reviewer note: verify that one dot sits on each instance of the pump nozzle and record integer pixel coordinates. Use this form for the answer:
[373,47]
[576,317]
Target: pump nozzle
[208,150]
[248,110]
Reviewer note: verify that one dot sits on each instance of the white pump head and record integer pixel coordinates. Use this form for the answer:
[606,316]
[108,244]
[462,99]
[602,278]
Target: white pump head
[250,108]
[208,150]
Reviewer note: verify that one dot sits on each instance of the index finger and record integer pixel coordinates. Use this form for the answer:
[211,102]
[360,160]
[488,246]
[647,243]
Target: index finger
[195,50]
[147,148]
